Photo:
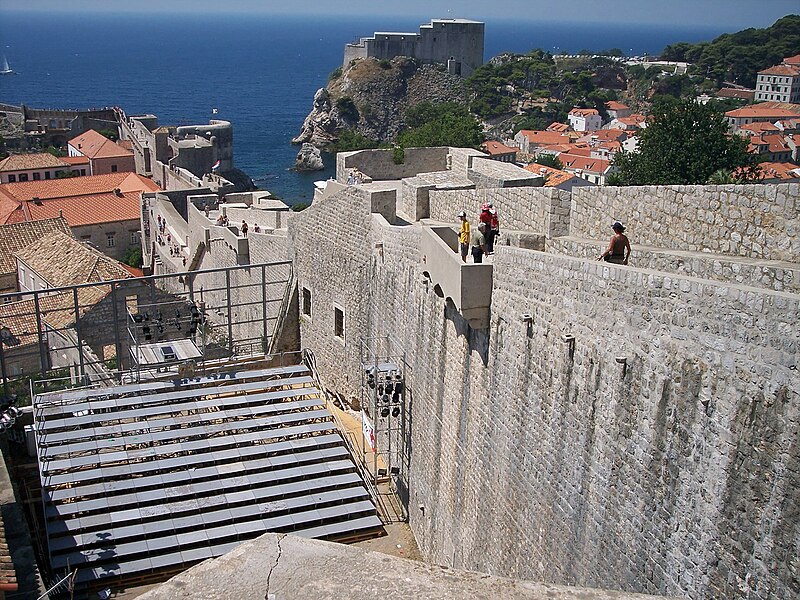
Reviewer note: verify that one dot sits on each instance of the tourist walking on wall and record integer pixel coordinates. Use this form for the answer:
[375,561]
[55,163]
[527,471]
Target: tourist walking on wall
[619,248]
[478,243]
[493,229]
[463,235]
[244,228]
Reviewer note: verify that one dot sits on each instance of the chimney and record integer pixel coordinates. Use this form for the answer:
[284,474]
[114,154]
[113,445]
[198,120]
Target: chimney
[118,192]
[60,213]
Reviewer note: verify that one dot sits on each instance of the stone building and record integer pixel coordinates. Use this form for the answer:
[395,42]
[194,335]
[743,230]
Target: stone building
[567,420]
[457,43]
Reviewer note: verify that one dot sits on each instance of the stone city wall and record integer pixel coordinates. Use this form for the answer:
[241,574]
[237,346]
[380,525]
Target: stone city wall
[380,164]
[756,221]
[543,210]
[657,452]
[771,275]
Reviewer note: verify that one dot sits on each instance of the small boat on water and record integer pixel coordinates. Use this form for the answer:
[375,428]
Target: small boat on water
[4,68]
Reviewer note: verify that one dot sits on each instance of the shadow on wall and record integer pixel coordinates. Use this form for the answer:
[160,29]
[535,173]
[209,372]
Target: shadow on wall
[477,339]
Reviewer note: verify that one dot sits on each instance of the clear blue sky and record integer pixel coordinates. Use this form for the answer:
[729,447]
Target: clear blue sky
[730,14]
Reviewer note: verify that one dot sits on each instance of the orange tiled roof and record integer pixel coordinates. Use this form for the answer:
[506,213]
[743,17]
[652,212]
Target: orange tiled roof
[556,126]
[493,148]
[593,165]
[18,236]
[792,60]
[614,105]
[759,127]
[90,209]
[78,186]
[790,70]
[96,145]
[584,112]
[76,160]
[778,110]
[38,160]
[776,142]
[554,177]
[780,171]
[545,137]
[8,207]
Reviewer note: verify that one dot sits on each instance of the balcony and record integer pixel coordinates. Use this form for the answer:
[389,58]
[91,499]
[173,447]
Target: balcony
[468,285]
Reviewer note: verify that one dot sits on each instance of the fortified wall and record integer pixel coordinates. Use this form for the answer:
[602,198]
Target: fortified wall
[609,426]
[457,43]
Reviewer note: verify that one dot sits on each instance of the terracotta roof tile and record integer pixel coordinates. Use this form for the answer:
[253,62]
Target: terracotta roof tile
[76,160]
[604,135]
[759,127]
[62,260]
[780,171]
[38,160]
[593,165]
[88,210]
[614,105]
[776,110]
[554,177]
[790,70]
[78,186]
[18,236]
[584,112]
[96,145]
[559,127]
[493,147]
[792,60]
[545,137]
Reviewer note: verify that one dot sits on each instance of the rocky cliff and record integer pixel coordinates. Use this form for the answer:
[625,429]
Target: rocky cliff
[371,97]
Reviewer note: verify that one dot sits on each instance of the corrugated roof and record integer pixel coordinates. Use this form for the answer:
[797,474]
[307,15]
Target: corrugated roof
[18,236]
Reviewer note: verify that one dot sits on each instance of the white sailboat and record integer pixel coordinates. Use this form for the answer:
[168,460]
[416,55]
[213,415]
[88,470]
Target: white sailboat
[4,68]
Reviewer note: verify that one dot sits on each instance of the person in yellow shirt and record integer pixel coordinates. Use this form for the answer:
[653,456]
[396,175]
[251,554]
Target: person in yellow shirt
[463,235]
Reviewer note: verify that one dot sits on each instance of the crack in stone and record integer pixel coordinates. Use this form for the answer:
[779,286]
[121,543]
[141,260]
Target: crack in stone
[272,568]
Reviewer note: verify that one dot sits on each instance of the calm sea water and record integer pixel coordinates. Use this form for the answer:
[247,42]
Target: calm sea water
[260,72]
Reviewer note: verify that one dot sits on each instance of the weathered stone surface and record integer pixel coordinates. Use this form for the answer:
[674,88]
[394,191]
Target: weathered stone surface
[281,567]
[309,159]
[656,453]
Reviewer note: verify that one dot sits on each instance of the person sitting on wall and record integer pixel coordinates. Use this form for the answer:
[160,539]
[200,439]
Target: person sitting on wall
[220,220]
[463,235]
[478,243]
[256,228]
[619,248]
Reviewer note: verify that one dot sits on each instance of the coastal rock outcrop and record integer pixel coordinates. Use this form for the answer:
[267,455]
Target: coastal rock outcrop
[309,158]
[370,97]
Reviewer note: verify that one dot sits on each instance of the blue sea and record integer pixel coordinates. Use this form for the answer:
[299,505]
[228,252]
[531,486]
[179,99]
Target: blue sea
[260,72]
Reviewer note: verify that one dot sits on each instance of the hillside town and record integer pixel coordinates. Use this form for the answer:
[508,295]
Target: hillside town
[493,357]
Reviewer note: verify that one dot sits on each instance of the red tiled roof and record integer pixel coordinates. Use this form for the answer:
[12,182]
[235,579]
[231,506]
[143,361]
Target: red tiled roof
[584,112]
[494,148]
[614,105]
[545,137]
[780,171]
[89,209]
[792,60]
[593,165]
[776,142]
[18,236]
[556,126]
[759,127]
[790,70]
[777,110]
[78,186]
[75,160]
[554,177]
[96,145]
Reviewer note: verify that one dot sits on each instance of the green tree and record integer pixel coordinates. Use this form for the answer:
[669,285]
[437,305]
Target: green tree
[133,257]
[445,124]
[548,160]
[685,143]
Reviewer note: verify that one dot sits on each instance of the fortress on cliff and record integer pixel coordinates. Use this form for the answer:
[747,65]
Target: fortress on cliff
[457,43]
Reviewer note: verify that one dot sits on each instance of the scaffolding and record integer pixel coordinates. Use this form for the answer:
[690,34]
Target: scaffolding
[384,396]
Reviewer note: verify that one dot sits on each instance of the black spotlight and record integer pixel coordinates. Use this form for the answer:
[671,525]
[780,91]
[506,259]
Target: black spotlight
[389,387]
[396,411]
[398,388]
[385,398]
[385,411]
[380,389]
[146,332]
